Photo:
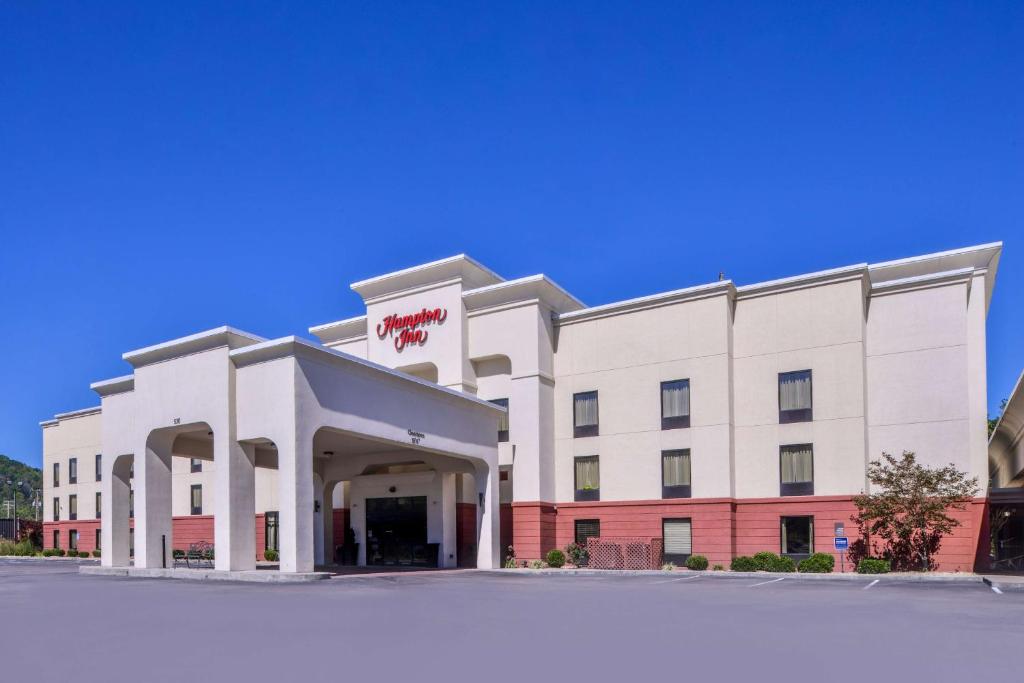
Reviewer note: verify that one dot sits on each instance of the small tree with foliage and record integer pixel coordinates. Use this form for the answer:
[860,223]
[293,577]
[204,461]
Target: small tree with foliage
[910,513]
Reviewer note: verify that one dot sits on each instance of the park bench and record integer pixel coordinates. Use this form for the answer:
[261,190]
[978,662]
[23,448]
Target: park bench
[199,555]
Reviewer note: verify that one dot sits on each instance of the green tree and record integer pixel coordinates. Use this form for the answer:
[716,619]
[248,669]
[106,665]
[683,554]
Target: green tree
[910,513]
[12,472]
[993,421]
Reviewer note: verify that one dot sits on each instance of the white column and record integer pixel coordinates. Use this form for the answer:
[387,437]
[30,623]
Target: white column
[449,537]
[114,499]
[234,524]
[318,519]
[488,554]
[153,534]
[295,499]
[328,522]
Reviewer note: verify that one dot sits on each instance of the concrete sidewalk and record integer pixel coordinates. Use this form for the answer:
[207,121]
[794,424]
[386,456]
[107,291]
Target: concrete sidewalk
[252,576]
[905,577]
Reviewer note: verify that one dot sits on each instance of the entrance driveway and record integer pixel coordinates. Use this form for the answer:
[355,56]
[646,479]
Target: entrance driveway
[471,626]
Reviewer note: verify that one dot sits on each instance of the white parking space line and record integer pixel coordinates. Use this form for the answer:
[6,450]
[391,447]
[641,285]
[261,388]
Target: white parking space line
[869,585]
[764,583]
[995,589]
[682,578]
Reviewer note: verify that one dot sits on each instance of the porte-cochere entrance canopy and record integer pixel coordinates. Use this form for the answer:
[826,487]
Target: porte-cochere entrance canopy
[316,415]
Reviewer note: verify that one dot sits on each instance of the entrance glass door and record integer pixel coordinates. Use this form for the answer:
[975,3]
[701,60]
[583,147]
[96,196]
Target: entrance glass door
[396,532]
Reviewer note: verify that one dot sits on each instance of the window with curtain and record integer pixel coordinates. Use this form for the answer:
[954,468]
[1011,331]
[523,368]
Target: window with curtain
[56,474]
[675,473]
[56,538]
[675,404]
[73,471]
[796,470]
[99,506]
[195,465]
[197,499]
[56,509]
[584,414]
[73,539]
[98,536]
[795,396]
[587,528]
[72,507]
[503,420]
[797,536]
[677,537]
[270,531]
[99,467]
[587,478]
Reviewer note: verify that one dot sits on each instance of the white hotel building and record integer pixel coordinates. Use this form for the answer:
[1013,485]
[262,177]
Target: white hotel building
[465,413]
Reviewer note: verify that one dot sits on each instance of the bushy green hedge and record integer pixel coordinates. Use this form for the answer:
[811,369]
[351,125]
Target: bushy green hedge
[577,554]
[818,563]
[555,558]
[743,563]
[96,553]
[270,555]
[765,560]
[697,563]
[20,549]
[84,553]
[873,565]
[783,564]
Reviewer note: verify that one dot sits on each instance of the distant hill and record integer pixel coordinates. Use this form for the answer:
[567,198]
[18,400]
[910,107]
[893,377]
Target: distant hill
[31,481]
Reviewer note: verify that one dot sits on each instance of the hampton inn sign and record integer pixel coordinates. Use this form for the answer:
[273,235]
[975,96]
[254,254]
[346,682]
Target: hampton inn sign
[409,328]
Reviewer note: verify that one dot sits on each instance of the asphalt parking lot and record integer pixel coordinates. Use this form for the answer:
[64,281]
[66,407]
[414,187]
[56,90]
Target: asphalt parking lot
[56,625]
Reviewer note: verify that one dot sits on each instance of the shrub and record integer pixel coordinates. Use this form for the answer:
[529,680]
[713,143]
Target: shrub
[718,568]
[555,558]
[783,564]
[818,563]
[765,560]
[577,554]
[59,552]
[270,555]
[743,563]
[84,553]
[668,567]
[873,565]
[510,558]
[95,553]
[536,564]
[697,562]
[22,548]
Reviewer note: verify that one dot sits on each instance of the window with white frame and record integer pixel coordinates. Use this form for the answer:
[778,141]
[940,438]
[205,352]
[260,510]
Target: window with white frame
[585,414]
[675,404]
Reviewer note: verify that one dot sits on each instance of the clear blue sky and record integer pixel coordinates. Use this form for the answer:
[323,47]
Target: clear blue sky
[170,167]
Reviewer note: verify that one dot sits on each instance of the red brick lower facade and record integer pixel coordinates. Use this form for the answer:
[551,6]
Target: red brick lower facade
[723,528]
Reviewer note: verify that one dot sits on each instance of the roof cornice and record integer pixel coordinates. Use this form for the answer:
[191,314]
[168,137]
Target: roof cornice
[723,287]
[815,279]
[116,385]
[533,287]
[471,272]
[194,343]
[340,330]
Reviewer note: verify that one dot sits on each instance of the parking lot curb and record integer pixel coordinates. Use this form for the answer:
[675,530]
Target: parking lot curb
[255,576]
[946,579]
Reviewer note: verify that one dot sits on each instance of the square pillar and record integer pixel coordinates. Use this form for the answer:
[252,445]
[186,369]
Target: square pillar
[295,499]
[115,490]
[449,536]
[234,533]
[488,552]
[153,531]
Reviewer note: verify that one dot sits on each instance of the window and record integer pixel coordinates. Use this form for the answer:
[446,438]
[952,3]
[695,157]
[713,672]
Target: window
[796,470]
[795,396]
[503,475]
[99,506]
[503,420]
[677,537]
[587,528]
[73,539]
[72,507]
[98,536]
[197,499]
[797,536]
[73,471]
[131,503]
[587,476]
[584,414]
[675,474]
[56,538]
[270,531]
[131,542]
[99,467]
[195,465]
[56,509]
[56,474]
[675,404]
